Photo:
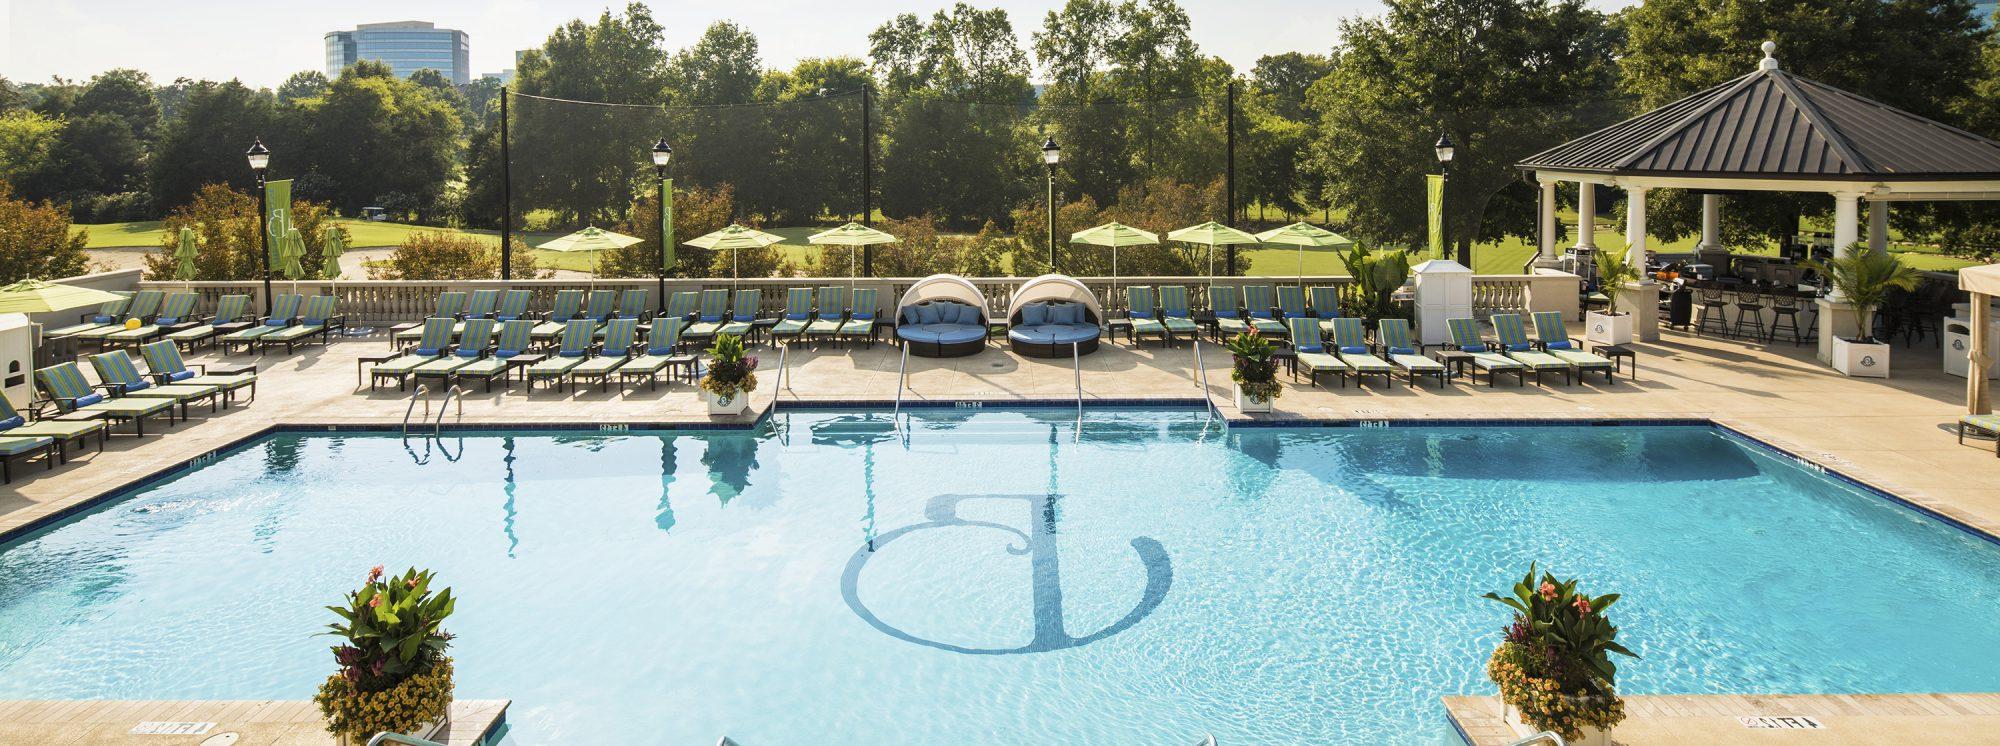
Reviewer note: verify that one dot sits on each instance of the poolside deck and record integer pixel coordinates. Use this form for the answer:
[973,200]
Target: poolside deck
[255,722]
[1843,720]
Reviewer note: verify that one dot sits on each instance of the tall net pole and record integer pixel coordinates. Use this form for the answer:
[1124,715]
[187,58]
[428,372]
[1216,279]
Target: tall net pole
[506,197]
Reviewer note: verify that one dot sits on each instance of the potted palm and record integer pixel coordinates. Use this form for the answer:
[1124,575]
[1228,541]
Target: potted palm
[393,675]
[1611,326]
[1254,372]
[1863,278]
[1554,666]
[731,377]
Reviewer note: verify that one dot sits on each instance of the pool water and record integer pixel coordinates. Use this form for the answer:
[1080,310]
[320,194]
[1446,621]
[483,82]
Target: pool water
[994,578]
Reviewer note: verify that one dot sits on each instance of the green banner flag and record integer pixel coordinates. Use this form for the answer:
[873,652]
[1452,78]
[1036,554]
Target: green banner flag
[1435,186]
[277,213]
[667,226]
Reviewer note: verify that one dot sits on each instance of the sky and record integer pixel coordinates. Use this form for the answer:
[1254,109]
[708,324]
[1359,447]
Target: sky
[263,41]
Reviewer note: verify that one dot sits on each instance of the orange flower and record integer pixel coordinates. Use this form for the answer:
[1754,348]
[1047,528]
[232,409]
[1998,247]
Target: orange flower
[375,573]
[1582,605]
[1548,590]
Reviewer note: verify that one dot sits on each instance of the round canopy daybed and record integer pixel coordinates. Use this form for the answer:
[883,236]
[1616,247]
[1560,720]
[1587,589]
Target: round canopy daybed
[942,316]
[1051,315]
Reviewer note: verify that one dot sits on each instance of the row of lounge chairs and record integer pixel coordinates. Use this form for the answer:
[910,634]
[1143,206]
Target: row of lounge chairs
[451,351]
[72,409]
[151,315]
[825,313]
[1512,351]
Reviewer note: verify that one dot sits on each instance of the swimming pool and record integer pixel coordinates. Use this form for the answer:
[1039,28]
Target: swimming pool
[998,579]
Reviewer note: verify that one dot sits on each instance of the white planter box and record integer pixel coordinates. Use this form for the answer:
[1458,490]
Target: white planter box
[1860,360]
[1606,329]
[718,407]
[1247,404]
[1592,736]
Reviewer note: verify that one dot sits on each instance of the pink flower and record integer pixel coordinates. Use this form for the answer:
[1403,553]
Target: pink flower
[411,583]
[1582,605]
[375,573]
[374,602]
[1548,591]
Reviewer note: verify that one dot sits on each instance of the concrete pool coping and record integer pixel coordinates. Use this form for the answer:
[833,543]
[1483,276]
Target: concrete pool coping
[256,722]
[1774,719]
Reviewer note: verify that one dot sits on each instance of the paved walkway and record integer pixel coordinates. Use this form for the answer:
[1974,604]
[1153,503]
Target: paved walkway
[1828,720]
[255,722]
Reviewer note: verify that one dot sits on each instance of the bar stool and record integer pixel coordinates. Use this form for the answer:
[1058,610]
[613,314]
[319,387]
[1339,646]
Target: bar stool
[1749,316]
[1713,308]
[1785,316]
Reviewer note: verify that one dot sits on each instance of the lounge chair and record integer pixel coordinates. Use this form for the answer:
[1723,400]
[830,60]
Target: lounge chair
[513,305]
[600,305]
[567,305]
[145,305]
[164,364]
[431,344]
[712,315]
[1261,310]
[1395,343]
[797,315]
[1350,342]
[743,317]
[317,320]
[829,313]
[1325,307]
[1174,312]
[860,323]
[473,341]
[1292,303]
[515,338]
[662,351]
[64,432]
[1465,336]
[1141,310]
[578,338]
[173,311]
[635,303]
[117,374]
[1514,343]
[110,313]
[481,304]
[22,448]
[66,389]
[450,304]
[682,305]
[228,309]
[619,336]
[283,311]
[1553,337]
[1985,423]
[1222,302]
[1311,353]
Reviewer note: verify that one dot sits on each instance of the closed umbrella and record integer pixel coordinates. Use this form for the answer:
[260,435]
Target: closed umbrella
[1213,234]
[853,236]
[184,256]
[330,251]
[735,237]
[1303,235]
[1114,234]
[36,296]
[290,250]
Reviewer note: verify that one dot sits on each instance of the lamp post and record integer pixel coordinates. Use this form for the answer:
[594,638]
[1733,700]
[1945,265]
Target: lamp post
[1445,151]
[662,152]
[1051,155]
[260,159]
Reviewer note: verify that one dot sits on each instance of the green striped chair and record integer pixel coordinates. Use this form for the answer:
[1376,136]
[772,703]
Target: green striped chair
[228,309]
[450,304]
[579,336]
[173,311]
[516,336]
[567,305]
[476,338]
[482,303]
[110,313]
[743,317]
[1174,311]
[1312,354]
[117,373]
[432,343]
[66,389]
[1985,423]
[1325,307]
[829,313]
[1261,310]
[636,303]
[662,352]
[712,315]
[1222,301]
[860,323]
[797,315]
[316,320]
[145,305]
[619,336]
[1143,313]
[513,305]
[682,305]
[1553,337]
[1465,337]
[1399,346]
[63,432]
[600,305]
[21,448]
[283,311]
[1291,302]
[164,364]
[1514,343]
[1350,343]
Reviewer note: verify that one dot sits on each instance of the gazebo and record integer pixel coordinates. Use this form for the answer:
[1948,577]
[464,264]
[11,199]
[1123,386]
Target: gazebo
[1768,131]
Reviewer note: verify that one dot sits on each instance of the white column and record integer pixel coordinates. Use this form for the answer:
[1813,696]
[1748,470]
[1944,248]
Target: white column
[1635,230]
[1846,221]
[1711,223]
[1548,224]
[1586,216]
[1878,226]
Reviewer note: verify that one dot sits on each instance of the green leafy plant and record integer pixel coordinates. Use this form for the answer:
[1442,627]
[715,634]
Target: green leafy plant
[1555,661]
[1864,278]
[730,371]
[1254,370]
[1613,272]
[393,671]
[1377,277]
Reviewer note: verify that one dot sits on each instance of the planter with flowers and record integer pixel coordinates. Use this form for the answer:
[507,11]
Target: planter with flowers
[1554,667]
[1255,373]
[731,377]
[394,675]
[1611,326]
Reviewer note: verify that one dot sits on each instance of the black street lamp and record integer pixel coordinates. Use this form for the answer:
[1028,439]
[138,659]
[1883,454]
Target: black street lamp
[1445,152]
[260,159]
[662,152]
[1051,155]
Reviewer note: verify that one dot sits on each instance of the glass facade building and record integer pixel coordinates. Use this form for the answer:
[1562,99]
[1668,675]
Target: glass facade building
[405,46]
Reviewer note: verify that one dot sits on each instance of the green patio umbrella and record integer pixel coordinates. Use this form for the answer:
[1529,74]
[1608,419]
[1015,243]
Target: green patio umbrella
[1213,234]
[184,256]
[853,236]
[330,251]
[36,296]
[734,237]
[590,239]
[1114,234]
[1303,235]
[290,249]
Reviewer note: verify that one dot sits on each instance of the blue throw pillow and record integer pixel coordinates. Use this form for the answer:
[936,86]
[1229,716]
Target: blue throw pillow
[1354,350]
[426,351]
[166,321]
[1402,350]
[12,422]
[971,315]
[798,316]
[910,315]
[1063,314]
[572,353]
[467,352]
[864,315]
[137,386]
[103,319]
[660,351]
[180,375]
[1562,345]
[1520,347]
[710,319]
[1034,314]
[88,399]
[504,354]
[1309,348]
[927,313]
[1472,348]
[276,322]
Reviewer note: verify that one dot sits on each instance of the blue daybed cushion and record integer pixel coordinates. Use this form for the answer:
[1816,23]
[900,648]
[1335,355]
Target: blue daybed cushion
[927,314]
[1034,314]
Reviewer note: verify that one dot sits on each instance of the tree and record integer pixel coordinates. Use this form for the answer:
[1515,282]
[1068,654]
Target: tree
[11,97]
[565,161]
[226,228]
[35,241]
[123,93]
[921,249]
[373,135]
[302,85]
[1283,79]
[26,138]
[437,255]
[205,144]
[815,131]
[723,140]
[697,211]
[94,154]
[955,91]
[1455,65]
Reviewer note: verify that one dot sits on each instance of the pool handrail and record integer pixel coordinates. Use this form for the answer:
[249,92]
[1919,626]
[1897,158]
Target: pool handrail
[388,737]
[1547,736]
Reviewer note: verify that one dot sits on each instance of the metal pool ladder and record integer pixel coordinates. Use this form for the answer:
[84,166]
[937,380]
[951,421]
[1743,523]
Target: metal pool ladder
[388,737]
[1076,358]
[1200,377]
[1547,736]
[451,395]
[407,411]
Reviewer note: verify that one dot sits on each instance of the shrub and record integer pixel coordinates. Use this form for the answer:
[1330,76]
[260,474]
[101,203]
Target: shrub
[1555,662]
[730,372]
[1255,372]
[440,255]
[393,671]
[35,241]
[225,223]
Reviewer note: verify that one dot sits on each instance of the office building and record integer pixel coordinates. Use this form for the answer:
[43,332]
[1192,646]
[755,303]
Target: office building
[405,46]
